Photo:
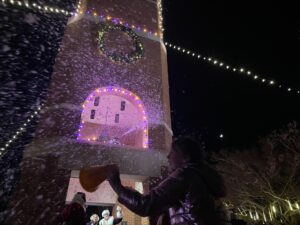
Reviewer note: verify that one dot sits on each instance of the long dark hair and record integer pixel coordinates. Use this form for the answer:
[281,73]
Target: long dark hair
[190,147]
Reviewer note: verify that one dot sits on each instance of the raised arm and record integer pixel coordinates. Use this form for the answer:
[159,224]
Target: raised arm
[165,195]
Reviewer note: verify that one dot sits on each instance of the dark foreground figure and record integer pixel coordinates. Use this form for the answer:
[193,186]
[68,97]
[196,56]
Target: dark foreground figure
[190,194]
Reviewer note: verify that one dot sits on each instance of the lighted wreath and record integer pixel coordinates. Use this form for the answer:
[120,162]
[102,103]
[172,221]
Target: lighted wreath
[125,58]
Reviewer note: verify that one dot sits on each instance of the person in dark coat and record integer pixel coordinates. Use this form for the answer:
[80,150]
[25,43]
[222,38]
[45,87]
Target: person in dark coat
[74,213]
[190,194]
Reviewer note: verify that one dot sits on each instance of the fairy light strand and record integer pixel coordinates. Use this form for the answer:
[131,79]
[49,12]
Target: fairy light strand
[160,19]
[21,130]
[80,11]
[271,211]
[211,60]
[236,69]
[38,7]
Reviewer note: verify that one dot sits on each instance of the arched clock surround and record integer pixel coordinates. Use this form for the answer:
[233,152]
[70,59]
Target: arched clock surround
[114,116]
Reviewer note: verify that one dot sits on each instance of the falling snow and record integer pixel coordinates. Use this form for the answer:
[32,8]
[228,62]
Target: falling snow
[31,44]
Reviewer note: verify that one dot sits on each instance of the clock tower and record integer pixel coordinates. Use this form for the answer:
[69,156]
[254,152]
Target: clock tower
[108,102]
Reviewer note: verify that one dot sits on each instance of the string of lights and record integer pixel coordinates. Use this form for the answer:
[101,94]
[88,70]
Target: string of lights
[236,69]
[271,212]
[41,8]
[160,19]
[21,130]
[211,60]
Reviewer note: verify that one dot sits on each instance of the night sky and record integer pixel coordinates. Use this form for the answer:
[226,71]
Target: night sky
[205,100]
[210,101]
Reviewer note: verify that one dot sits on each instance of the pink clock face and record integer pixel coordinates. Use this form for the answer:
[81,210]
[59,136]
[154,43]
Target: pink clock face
[112,110]
[113,118]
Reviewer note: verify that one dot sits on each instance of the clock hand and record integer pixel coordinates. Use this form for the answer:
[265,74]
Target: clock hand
[106,115]
[129,131]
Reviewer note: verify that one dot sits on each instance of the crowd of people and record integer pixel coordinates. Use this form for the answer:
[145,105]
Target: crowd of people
[75,213]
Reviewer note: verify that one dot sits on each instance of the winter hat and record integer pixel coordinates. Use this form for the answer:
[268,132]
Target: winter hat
[79,198]
[105,212]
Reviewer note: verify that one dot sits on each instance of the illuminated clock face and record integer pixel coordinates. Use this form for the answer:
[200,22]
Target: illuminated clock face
[113,119]
[111,110]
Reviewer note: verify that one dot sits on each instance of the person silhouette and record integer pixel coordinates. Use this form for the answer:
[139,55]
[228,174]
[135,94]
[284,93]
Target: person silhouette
[191,194]
[74,213]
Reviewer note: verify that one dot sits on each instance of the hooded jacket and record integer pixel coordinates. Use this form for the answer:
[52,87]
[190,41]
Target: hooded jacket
[191,194]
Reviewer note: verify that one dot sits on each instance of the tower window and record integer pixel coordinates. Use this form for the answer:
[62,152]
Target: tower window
[92,116]
[123,105]
[117,118]
[96,101]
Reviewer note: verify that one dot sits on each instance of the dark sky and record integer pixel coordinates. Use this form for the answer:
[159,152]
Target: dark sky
[208,100]
[205,99]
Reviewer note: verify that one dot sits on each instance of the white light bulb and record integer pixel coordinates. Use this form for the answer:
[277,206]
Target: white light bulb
[255,77]
[234,69]
[198,56]
[263,80]
[215,61]
[271,82]
[209,59]
[289,89]
[241,70]
[249,72]
[227,67]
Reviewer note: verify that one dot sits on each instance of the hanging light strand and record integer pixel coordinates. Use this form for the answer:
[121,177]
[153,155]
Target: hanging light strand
[79,11]
[236,69]
[211,60]
[160,19]
[21,130]
[38,7]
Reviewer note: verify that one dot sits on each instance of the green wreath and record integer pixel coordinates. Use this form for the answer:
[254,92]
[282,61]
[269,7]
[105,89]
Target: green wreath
[127,58]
